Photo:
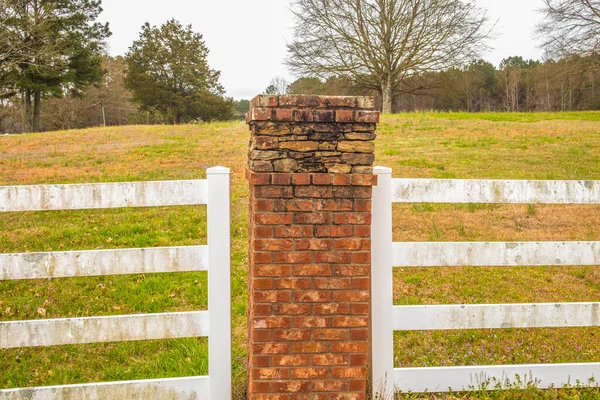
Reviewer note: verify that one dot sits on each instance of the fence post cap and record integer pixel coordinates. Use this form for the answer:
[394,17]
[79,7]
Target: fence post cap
[382,170]
[218,171]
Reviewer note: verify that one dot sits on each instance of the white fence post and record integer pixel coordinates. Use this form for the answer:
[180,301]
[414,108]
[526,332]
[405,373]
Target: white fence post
[219,283]
[381,285]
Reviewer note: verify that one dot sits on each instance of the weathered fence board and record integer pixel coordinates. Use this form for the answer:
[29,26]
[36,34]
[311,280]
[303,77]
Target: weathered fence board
[494,316]
[442,379]
[191,388]
[494,191]
[457,254]
[103,262]
[102,195]
[60,331]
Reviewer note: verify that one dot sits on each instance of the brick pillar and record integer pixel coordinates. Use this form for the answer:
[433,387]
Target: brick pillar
[310,174]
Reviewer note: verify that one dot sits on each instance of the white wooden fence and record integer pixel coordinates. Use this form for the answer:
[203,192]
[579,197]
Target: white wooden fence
[386,255]
[214,257]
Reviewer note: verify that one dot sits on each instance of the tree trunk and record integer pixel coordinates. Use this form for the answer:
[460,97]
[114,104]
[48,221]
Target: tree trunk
[27,121]
[386,91]
[37,107]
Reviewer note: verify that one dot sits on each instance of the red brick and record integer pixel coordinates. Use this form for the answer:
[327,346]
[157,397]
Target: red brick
[300,205]
[263,232]
[350,322]
[342,179]
[332,257]
[264,100]
[272,270]
[357,384]
[313,244]
[318,192]
[281,179]
[362,231]
[261,361]
[312,322]
[273,218]
[331,231]
[260,386]
[291,334]
[303,115]
[363,257]
[358,359]
[331,309]
[261,309]
[301,179]
[292,283]
[349,347]
[357,296]
[351,270]
[359,334]
[364,180]
[341,101]
[293,257]
[310,347]
[270,296]
[357,372]
[324,116]
[262,257]
[262,283]
[311,396]
[332,283]
[271,373]
[344,116]
[312,218]
[329,359]
[273,244]
[331,334]
[334,205]
[282,114]
[312,296]
[293,231]
[329,386]
[361,283]
[291,309]
[293,386]
[362,205]
[261,335]
[352,192]
[370,117]
[291,360]
[352,218]
[255,178]
[261,114]
[360,309]
[272,322]
[309,373]
[351,244]
[274,192]
[321,179]
[263,205]
[271,348]
[312,270]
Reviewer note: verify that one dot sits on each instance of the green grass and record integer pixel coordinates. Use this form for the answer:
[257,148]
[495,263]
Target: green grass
[438,145]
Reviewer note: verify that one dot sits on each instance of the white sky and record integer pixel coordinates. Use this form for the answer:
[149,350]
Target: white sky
[247,38]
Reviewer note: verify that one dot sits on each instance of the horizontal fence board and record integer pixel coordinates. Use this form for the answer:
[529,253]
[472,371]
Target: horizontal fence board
[61,331]
[103,262]
[442,379]
[189,388]
[102,195]
[457,254]
[494,316]
[494,191]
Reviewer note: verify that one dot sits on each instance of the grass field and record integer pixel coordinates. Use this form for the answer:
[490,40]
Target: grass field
[440,145]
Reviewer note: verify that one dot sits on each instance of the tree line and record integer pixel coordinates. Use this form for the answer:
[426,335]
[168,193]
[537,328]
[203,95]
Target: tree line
[52,52]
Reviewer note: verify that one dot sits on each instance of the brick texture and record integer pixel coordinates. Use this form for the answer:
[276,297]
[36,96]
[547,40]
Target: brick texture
[309,246]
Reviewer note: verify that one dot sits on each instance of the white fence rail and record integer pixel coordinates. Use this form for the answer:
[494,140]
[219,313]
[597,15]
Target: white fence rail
[214,257]
[386,255]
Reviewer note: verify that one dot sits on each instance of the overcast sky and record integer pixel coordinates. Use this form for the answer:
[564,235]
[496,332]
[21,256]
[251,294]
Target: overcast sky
[247,38]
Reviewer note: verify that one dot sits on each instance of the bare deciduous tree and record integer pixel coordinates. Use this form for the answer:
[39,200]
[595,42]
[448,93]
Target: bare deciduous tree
[570,26]
[382,43]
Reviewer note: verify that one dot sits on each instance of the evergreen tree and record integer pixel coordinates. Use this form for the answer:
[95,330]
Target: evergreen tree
[56,49]
[168,73]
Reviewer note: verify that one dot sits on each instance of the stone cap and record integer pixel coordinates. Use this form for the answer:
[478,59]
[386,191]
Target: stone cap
[310,108]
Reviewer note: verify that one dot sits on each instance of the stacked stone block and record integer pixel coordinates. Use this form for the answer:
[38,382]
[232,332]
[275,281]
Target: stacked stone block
[310,182]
